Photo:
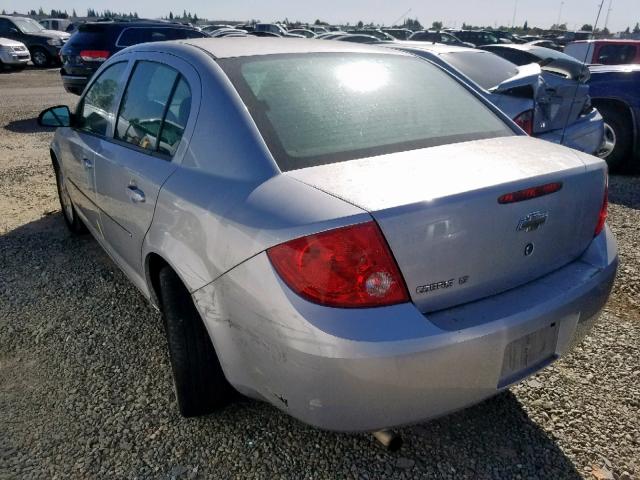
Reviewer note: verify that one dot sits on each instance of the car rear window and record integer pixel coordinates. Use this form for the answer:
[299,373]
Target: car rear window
[484,68]
[323,108]
[92,36]
[136,35]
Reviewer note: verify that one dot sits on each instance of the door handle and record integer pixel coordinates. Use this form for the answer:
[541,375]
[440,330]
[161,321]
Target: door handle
[86,163]
[135,194]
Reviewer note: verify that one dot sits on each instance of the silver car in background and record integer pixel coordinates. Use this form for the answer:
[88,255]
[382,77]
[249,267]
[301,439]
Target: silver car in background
[548,103]
[347,232]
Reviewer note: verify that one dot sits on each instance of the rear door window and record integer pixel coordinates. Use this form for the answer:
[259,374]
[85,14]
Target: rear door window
[97,107]
[616,54]
[155,108]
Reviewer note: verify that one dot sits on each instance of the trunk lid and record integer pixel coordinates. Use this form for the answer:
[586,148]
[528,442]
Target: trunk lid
[438,209]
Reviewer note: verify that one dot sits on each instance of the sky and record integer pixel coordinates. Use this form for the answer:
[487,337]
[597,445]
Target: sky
[453,13]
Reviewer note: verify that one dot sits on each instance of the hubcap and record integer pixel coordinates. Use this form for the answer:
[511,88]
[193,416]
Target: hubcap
[608,143]
[65,199]
[39,58]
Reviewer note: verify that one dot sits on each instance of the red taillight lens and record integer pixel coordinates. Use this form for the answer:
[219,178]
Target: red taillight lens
[529,193]
[602,218]
[525,121]
[94,55]
[346,267]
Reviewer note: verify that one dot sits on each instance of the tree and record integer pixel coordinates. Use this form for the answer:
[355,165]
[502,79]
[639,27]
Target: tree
[627,31]
[195,18]
[73,13]
[525,27]
[360,24]
[436,25]
[636,29]
[170,15]
[41,11]
[587,28]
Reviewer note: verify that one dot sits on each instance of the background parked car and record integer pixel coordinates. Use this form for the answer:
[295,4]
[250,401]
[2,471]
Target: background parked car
[372,32]
[615,92]
[476,37]
[357,38]
[303,31]
[94,42]
[13,55]
[546,44]
[568,37]
[605,52]
[438,37]
[44,45]
[61,24]
[228,32]
[527,53]
[543,104]
[398,33]
[275,28]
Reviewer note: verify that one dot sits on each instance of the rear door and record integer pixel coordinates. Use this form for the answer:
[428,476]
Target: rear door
[154,121]
[94,122]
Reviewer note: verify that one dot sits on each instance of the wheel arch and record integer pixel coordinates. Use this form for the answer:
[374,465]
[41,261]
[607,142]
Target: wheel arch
[154,262]
[625,109]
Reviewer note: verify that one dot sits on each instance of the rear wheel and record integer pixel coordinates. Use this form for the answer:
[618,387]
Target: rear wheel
[74,224]
[40,57]
[200,384]
[618,137]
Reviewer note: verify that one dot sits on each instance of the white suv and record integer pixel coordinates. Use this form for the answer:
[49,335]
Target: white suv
[13,54]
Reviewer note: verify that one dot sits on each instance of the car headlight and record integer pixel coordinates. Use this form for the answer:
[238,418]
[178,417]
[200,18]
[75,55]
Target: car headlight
[56,42]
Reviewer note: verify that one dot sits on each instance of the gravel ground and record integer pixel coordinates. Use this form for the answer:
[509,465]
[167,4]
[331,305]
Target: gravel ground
[85,387]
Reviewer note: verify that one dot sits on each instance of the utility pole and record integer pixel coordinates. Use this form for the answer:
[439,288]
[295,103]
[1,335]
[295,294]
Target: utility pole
[515,10]
[560,13]
[606,22]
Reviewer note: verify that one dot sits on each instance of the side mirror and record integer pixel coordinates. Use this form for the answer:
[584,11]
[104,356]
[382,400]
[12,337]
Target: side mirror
[59,116]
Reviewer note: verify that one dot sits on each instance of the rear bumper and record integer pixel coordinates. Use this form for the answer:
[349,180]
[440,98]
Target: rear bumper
[74,83]
[366,369]
[585,134]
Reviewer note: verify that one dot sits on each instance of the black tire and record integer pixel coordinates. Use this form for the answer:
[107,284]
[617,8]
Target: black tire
[71,218]
[619,159]
[40,57]
[200,384]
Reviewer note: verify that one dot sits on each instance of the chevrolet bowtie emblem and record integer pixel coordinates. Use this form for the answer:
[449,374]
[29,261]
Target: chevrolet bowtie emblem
[532,222]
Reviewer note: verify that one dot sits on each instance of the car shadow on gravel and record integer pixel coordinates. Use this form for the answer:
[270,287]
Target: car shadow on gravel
[98,397]
[623,190]
[29,125]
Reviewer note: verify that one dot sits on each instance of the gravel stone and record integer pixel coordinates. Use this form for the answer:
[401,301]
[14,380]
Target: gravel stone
[86,389]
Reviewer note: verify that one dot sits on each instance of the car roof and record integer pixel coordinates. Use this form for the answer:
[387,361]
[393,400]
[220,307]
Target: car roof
[250,46]
[609,40]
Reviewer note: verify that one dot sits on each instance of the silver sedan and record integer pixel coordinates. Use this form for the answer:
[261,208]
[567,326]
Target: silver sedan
[345,231]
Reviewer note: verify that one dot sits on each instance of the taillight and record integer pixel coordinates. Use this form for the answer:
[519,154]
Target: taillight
[347,267]
[525,121]
[94,55]
[602,218]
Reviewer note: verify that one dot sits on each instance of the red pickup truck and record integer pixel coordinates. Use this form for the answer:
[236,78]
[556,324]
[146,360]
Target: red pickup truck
[605,52]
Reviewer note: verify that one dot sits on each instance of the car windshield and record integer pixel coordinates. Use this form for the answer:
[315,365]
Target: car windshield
[27,25]
[484,68]
[323,108]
